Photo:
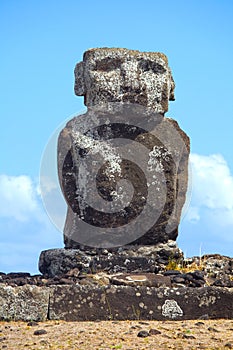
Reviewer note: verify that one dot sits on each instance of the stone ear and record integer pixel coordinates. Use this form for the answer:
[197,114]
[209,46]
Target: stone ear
[79,86]
[172,88]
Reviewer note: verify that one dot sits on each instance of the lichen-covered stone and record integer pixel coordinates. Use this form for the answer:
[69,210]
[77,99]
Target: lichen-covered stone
[24,303]
[57,262]
[123,167]
[122,75]
[101,211]
[81,303]
[100,301]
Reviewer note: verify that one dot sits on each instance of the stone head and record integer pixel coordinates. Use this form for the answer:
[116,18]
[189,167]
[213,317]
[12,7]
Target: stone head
[122,75]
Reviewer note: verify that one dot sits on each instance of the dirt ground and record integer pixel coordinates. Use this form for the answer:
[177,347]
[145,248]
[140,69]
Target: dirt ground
[195,334]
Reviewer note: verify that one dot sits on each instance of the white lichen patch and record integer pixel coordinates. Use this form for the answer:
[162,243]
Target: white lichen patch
[103,299]
[206,301]
[171,309]
[160,295]
[108,75]
[104,149]
[156,158]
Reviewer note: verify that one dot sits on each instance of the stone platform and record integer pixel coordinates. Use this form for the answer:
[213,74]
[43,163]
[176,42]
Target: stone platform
[196,288]
[73,303]
[114,302]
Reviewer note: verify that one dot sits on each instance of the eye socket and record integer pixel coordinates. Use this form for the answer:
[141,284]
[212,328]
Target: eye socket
[108,64]
[148,65]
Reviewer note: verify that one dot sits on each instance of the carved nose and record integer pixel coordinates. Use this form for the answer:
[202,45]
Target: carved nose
[130,75]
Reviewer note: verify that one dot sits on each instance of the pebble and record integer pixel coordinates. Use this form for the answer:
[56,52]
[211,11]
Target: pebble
[212,329]
[198,274]
[32,324]
[188,336]
[178,279]
[40,332]
[199,323]
[65,281]
[172,273]
[143,334]
[73,272]
[143,322]
[153,331]
[204,317]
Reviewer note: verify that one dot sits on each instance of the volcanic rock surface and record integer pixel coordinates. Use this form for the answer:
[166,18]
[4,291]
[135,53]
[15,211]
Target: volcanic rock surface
[123,166]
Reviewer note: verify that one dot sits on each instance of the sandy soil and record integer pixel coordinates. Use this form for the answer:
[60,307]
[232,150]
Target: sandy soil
[197,334]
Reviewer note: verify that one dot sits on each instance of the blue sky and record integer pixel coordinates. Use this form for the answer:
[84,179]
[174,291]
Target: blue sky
[41,41]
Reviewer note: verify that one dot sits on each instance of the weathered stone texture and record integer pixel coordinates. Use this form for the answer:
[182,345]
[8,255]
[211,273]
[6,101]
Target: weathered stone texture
[24,303]
[72,303]
[122,75]
[128,283]
[159,180]
[127,94]
[98,301]
[56,262]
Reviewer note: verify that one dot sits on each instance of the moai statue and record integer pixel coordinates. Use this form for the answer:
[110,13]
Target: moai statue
[121,75]
[127,94]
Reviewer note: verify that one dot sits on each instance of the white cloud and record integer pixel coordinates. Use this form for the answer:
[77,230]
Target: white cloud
[24,226]
[208,223]
[47,185]
[18,198]
[22,200]
[193,214]
[53,200]
[212,193]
